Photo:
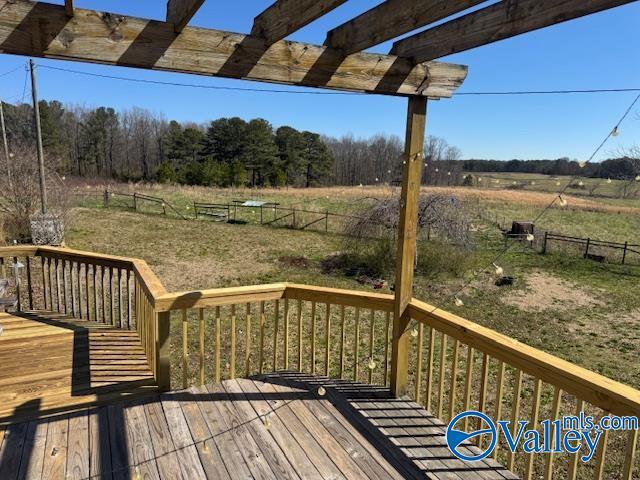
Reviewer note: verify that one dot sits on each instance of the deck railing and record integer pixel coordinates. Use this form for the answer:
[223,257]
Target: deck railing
[455,365]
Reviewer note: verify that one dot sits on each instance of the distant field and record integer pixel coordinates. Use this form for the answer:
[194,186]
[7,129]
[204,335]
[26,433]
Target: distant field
[583,311]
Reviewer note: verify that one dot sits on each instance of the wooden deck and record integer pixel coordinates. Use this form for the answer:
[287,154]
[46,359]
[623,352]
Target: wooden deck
[275,426]
[51,363]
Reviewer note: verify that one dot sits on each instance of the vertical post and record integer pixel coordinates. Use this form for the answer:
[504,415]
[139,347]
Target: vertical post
[586,250]
[406,250]
[106,198]
[163,361]
[4,141]
[36,115]
[624,252]
[544,245]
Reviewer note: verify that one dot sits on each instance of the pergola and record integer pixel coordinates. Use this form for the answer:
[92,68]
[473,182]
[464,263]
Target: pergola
[409,70]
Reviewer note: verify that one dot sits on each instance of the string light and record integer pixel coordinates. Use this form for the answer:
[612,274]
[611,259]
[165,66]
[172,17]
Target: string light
[266,422]
[562,201]
[609,180]
[437,170]
[136,474]
[582,164]
[321,391]
[557,184]
[499,270]
[581,183]
[458,302]
[638,178]
[414,332]
[371,364]
[614,132]
[530,237]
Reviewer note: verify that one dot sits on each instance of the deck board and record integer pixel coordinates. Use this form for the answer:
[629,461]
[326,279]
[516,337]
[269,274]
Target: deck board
[269,427]
[53,363]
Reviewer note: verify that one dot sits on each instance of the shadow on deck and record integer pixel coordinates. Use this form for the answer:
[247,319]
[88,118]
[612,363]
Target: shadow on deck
[53,363]
[271,426]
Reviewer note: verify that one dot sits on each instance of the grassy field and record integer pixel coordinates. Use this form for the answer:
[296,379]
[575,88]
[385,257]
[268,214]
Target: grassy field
[582,311]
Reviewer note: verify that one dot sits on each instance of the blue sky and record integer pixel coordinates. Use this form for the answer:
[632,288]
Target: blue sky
[598,51]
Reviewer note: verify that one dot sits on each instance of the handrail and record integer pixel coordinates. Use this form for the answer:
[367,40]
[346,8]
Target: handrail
[218,297]
[611,396]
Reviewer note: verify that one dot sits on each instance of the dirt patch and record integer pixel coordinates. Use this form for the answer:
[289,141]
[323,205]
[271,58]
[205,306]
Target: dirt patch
[548,292]
[294,261]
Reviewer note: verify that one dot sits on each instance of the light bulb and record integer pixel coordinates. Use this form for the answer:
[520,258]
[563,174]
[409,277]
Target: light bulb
[514,182]
[388,171]
[205,448]
[437,170]
[557,184]
[414,332]
[530,237]
[581,183]
[609,180]
[136,474]
[321,391]
[614,132]
[479,179]
[533,183]
[459,303]
[582,164]
[266,422]
[638,178]
[377,179]
[499,270]
[371,364]
[426,164]
[562,201]
[404,162]
[449,173]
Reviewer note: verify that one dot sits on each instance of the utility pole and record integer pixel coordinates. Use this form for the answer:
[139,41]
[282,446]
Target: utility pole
[4,139]
[36,115]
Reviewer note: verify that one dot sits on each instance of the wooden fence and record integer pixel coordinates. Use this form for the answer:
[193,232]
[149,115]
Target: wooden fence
[589,245]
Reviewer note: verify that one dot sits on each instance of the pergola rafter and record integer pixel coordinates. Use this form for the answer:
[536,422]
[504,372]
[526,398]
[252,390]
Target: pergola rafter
[45,30]
[391,19]
[179,12]
[499,21]
[286,16]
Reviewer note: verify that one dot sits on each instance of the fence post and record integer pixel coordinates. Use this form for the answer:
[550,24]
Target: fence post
[624,252]
[163,359]
[544,245]
[195,209]
[326,221]
[293,224]
[586,250]
[106,198]
[261,215]
[135,201]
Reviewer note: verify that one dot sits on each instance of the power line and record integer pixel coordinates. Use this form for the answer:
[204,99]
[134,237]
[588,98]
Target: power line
[295,92]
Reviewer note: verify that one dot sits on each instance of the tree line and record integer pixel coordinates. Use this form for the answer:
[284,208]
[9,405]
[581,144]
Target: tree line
[137,144]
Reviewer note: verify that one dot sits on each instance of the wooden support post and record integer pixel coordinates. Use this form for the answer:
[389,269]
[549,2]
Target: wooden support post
[407,230]
[163,360]
[586,250]
[544,245]
[624,252]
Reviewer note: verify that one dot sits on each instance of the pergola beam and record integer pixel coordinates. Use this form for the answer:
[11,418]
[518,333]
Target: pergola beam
[496,22]
[391,19]
[180,12]
[284,17]
[44,30]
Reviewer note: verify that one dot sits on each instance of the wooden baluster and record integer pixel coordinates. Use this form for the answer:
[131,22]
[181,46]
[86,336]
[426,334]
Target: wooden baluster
[276,326]
[342,340]
[104,296]
[185,349]
[454,378]
[129,314]
[201,326]
[300,335]
[95,294]
[111,297]
[443,366]
[64,287]
[420,354]
[119,280]
[429,387]
[80,296]
[466,404]
[29,283]
[498,404]
[356,346]
[58,295]
[217,352]
[572,471]
[484,377]
[535,412]
[86,289]
[247,343]
[515,414]
[261,352]
[286,334]
[18,280]
[630,455]
[232,359]
[313,337]
[372,327]
[44,283]
[601,454]
[555,413]
[327,342]
[72,285]
[385,372]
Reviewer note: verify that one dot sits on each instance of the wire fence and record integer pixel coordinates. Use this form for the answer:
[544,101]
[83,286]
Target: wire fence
[597,250]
